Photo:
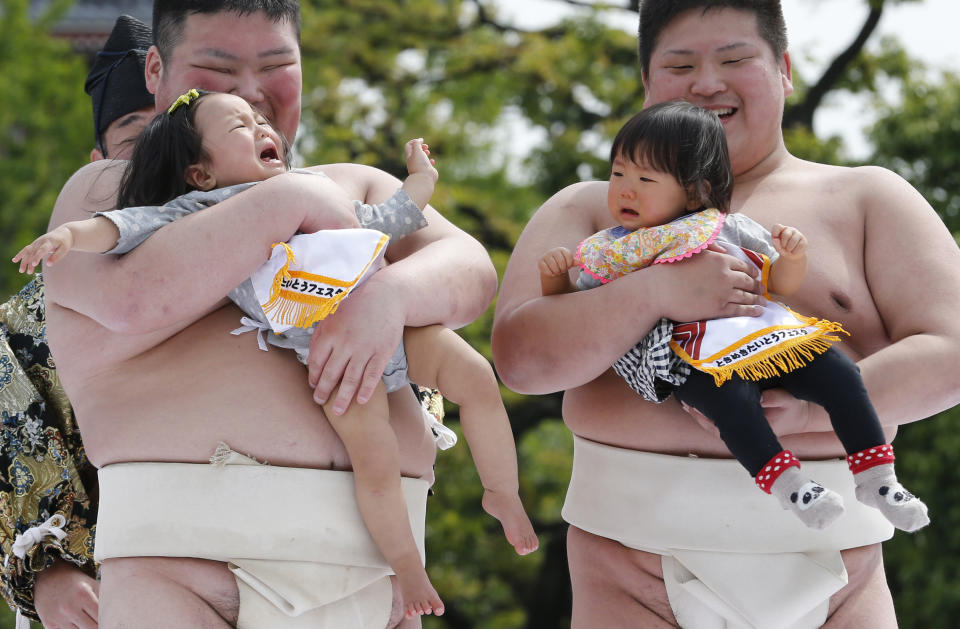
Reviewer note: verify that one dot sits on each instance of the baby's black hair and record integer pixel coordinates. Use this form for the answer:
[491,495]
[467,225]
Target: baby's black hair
[167,146]
[684,140]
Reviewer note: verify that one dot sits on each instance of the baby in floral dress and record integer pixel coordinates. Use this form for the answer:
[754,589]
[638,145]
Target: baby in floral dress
[670,190]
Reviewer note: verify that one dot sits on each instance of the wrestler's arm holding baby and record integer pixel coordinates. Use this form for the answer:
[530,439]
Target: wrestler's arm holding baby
[528,324]
[135,302]
[274,209]
[245,227]
[101,235]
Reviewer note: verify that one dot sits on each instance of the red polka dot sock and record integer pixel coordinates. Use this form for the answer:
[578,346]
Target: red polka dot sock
[815,505]
[871,457]
[877,486]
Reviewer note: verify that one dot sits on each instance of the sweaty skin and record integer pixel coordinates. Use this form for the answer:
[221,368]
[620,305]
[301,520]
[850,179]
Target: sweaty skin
[869,236]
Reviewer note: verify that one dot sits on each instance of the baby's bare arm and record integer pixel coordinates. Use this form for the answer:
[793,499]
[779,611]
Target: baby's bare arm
[95,235]
[787,273]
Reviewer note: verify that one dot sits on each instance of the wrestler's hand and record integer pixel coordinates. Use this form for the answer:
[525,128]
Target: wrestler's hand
[66,597]
[786,414]
[708,285]
[701,419]
[351,347]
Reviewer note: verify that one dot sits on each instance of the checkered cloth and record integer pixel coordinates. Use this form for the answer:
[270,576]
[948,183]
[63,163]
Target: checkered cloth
[650,367]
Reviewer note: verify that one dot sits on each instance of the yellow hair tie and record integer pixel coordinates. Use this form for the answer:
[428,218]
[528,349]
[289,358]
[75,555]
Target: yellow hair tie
[184,99]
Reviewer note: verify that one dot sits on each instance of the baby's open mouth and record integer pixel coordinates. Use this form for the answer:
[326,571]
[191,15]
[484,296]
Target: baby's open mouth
[628,211]
[269,155]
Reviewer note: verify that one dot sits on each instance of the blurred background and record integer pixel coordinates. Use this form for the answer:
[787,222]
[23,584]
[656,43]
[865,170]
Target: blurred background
[517,99]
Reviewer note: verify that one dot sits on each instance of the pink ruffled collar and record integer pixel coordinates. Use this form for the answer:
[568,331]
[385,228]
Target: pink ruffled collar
[605,256]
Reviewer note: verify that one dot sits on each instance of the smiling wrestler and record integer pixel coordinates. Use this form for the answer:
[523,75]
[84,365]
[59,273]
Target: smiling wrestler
[647,519]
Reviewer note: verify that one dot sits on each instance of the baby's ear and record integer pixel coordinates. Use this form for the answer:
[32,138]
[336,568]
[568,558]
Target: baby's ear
[199,177]
[698,195]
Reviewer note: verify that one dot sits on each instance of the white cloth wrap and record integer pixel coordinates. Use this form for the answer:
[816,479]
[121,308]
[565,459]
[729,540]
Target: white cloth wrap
[732,557]
[346,255]
[733,344]
[293,537]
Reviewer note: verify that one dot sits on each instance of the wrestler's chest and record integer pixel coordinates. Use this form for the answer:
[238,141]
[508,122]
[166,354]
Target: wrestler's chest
[835,286]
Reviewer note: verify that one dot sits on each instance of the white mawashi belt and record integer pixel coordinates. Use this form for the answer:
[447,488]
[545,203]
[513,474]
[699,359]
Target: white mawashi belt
[731,553]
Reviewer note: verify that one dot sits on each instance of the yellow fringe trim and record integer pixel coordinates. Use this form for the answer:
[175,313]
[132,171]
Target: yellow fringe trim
[283,273]
[777,360]
[302,310]
[299,309]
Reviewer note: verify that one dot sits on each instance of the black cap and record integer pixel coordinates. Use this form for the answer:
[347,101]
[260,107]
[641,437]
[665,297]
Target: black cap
[116,84]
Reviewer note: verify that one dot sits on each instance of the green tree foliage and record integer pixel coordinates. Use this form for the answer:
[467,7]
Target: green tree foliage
[866,73]
[45,125]
[918,135]
[380,73]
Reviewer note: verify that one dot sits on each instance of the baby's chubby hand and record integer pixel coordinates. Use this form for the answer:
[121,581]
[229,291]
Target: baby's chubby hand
[557,261]
[52,246]
[788,241]
[418,158]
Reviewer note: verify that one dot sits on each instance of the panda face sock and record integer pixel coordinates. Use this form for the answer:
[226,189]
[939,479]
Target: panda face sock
[878,487]
[815,505]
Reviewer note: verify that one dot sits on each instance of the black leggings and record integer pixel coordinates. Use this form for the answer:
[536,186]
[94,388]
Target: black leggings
[831,380]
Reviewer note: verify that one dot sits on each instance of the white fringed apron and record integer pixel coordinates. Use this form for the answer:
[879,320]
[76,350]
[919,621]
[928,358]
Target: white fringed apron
[754,348]
[307,277]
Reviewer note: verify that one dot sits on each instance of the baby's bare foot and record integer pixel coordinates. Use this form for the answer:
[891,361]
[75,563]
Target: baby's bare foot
[507,508]
[419,597]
